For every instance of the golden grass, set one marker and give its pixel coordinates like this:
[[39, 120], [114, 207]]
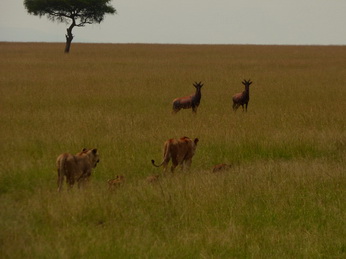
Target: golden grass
[[283, 197]]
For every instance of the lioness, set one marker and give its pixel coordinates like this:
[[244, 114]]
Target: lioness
[[180, 150], [76, 167]]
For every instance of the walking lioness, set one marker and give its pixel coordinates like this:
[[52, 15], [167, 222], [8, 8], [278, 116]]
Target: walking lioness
[[76, 168], [180, 150]]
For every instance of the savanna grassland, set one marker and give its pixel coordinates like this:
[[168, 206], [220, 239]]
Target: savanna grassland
[[284, 196]]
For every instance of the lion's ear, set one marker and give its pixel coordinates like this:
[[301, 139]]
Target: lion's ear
[[196, 141], [95, 150], [84, 149]]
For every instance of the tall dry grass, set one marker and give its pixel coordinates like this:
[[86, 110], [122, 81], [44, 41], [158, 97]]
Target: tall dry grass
[[283, 197]]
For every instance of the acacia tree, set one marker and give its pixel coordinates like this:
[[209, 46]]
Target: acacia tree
[[74, 12]]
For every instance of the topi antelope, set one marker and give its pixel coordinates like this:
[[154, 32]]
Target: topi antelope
[[187, 102], [243, 97]]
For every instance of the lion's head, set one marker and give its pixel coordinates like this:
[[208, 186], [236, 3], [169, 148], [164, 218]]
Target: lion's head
[[92, 154]]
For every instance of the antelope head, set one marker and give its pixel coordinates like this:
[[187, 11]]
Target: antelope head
[[247, 83], [198, 85]]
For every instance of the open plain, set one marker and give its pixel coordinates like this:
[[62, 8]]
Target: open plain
[[283, 196]]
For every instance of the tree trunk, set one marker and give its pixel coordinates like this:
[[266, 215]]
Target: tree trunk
[[69, 37], [68, 43]]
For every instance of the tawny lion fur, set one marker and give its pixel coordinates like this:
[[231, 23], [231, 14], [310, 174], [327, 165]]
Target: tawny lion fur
[[180, 151], [76, 168]]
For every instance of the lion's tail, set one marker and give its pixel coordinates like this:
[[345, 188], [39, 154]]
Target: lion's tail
[[166, 156], [61, 170], [153, 162]]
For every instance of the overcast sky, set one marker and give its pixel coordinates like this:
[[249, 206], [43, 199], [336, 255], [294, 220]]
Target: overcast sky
[[307, 22]]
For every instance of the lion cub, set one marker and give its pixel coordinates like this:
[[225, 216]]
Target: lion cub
[[116, 182], [153, 178], [221, 167]]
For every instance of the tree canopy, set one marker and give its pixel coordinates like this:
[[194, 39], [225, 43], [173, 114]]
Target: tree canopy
[[77, 12]]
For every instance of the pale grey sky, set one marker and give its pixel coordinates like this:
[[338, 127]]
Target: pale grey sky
[[302, 22]]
